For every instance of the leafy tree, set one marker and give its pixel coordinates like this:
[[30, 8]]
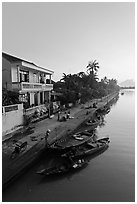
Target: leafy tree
[[84, 86], [92, 69], [9, 97]]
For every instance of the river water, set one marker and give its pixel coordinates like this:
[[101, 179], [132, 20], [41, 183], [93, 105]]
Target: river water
[[109, 177]]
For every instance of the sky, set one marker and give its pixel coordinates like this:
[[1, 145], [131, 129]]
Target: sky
[[65, 36]]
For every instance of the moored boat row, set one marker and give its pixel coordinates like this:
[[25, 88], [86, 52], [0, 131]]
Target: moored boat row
[[74, 149], [75, 157]]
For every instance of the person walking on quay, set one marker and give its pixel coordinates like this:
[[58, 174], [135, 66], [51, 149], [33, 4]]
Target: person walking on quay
[[68, 114], [58, 115], [46, 137]]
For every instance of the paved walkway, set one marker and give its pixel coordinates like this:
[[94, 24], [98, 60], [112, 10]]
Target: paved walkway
[[35, 139]]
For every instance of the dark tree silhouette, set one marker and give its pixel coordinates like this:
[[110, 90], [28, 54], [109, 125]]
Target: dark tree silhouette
[[84, 86]]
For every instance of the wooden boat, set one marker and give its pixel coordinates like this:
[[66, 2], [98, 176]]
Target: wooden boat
[[104, 109], [85, 132], [88, 148], [105, 140], [77, 137], [93, 123], [71, 141], [69, 165]]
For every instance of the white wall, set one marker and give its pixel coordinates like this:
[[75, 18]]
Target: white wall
[[31, 98], [14, 74], [38, 98], [30, 76], [12, 119], [33, 79]]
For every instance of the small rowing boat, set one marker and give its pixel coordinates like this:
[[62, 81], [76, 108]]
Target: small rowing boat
[[69, 165], [93, 123]]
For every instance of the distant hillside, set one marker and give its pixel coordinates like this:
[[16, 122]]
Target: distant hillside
[[127, 83]]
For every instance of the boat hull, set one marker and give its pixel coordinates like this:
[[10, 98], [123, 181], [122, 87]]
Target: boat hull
[[71, 142], [63, 168], [90, 148]]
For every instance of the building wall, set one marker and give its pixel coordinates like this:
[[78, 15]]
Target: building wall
[[6, 74], [31, 98], [38, 98], [11, 75], [14, 74], [31, 77], [15, 77], [8, 123]]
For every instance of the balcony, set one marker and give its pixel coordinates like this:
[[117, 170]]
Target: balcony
[[47, 87], [27, 87]]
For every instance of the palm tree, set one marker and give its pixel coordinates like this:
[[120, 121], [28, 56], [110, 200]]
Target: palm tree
[[92, 67], [64, 77], [67, 80]]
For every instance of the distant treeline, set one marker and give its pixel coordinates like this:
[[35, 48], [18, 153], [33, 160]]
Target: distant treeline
[[84, 86], [130, 87]]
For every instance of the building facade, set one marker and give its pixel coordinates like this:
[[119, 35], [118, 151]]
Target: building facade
[[32, 82]]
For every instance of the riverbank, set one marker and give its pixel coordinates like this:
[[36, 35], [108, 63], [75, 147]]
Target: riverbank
[[13, 168]]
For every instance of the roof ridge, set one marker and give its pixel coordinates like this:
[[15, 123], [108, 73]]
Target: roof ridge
[[20, 59], [15, 57]]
